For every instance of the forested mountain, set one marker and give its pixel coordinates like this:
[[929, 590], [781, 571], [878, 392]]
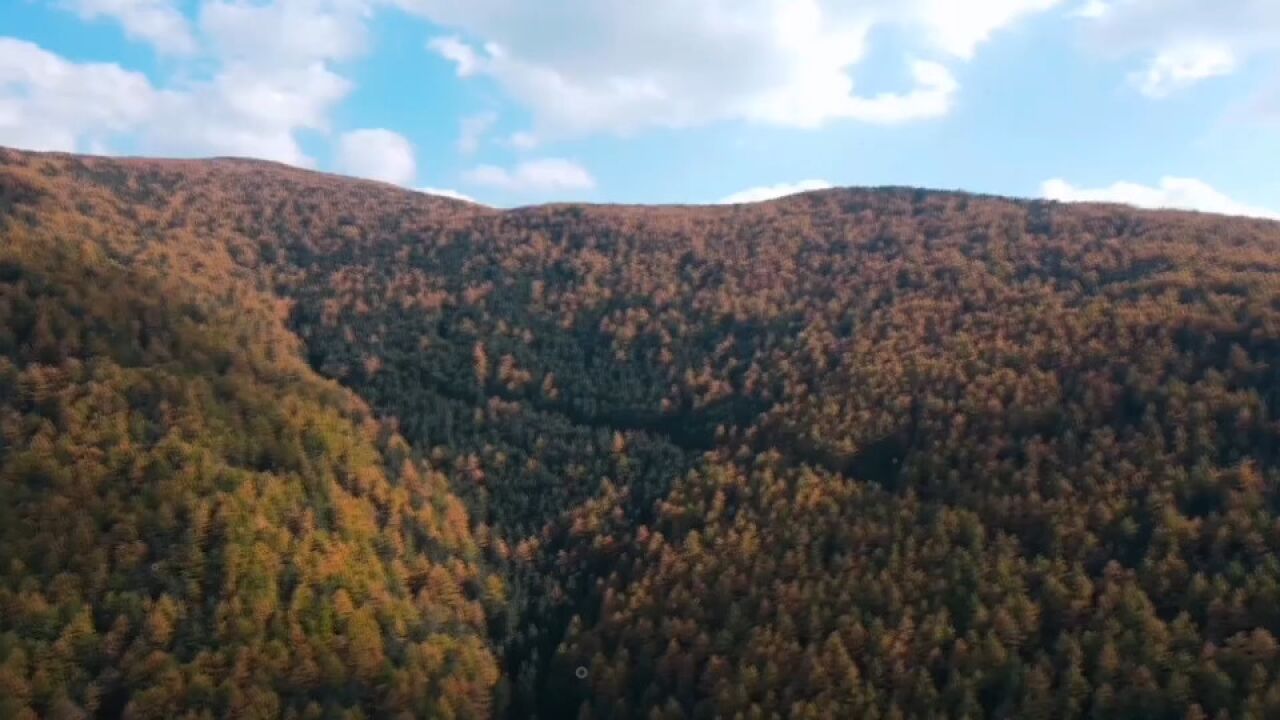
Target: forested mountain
[[274, 443]]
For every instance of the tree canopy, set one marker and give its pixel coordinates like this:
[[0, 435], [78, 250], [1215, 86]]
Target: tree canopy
[[282, 443]]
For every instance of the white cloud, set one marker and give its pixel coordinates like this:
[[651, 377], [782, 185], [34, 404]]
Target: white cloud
[[49, 103], [798, 106], [285, 32], [156, 22], [769, 192], [457, 52], [274, 78], [1172, 192], [1182, 66], [245, 110], [451, 194], [543, 175], [960, 27], [263, 73], [287, 97], [377, 154], [473, 130], [586, 66], [1182, 42]]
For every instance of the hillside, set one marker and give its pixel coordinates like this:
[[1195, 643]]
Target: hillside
[[282, 443]]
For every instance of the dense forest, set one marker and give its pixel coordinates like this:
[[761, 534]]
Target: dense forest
[[281, 444]]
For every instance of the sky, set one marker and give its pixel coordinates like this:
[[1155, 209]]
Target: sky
[[1156, 103]]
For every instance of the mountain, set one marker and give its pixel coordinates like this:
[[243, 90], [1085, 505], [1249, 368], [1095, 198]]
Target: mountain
[[275, 443]]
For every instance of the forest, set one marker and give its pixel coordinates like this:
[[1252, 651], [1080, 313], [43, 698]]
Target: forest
[[275, 443]]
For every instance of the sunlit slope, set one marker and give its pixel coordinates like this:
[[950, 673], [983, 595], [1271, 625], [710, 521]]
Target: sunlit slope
[[192, 523]]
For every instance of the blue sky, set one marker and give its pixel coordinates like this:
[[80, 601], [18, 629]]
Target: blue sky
[[1153, 102]]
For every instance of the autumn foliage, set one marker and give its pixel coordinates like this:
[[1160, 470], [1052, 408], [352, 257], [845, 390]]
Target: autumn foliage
[[279, 443]]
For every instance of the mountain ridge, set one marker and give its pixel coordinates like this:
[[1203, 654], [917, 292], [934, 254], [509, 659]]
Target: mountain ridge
[[284, 168]]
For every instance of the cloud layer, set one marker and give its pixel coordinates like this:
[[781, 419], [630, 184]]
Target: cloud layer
[[377, 154], [48, 103], [157, 22], [451, 194], [264, 73], [544, 175], [584, 66], [1183, 42], [769, 192], [1172, 192]]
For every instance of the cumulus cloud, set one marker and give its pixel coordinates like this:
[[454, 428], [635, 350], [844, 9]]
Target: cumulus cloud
[[285, 32], [49, 103], [268, 69], [931, 97], [244, 110], [769, 192], [458, 52], [157, 22], [1182, 42], [586, 66], [1182, 66], [377, 154], [451, 194], [265, 73], [275, 78], [1172, 192], [533, 176], [960, 27]]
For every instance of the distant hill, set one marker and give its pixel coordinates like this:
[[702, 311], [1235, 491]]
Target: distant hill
[[276, 443]]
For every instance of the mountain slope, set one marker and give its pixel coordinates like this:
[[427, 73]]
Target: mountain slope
[[855, 453], [192, 521]]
